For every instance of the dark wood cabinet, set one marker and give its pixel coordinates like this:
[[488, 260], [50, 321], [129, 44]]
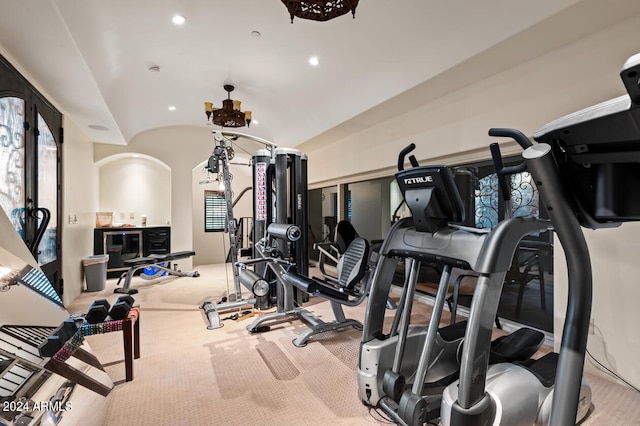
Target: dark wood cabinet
[[156, 240], [122, 244]]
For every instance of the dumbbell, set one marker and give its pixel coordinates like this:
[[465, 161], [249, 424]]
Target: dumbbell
[[121, 308], [58, 338], [98, 311]]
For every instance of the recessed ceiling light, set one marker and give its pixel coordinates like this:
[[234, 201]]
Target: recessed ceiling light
[[172, 108], [256, 122], [255, 34], [178, 19], [314, 61]]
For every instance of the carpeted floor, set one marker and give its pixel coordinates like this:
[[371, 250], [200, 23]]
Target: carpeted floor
[[190, 375]]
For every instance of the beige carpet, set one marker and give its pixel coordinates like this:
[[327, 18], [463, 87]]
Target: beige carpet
[[190, 375]]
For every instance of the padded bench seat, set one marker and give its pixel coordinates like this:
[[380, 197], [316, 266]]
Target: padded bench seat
[[157, 258], [316, 287], [161, 264]]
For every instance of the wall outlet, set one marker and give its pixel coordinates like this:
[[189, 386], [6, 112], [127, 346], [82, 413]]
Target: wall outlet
[[132, 216], [592, 326]]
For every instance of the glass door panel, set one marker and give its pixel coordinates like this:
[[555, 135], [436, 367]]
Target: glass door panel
[[12, 164], [47, 190]]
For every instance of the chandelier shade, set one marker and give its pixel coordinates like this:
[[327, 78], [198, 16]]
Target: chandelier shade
[[230, 114], [320, 10]]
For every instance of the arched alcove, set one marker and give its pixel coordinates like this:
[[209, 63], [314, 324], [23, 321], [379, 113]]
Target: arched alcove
[[132, 185]]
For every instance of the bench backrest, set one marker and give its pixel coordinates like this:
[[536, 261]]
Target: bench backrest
[[353, 263]]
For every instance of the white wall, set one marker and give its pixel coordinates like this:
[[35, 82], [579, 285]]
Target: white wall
[[452, 129], [615, 341], [184, 149], [80, 199], [455, 125], [181, 149], [136, 186]]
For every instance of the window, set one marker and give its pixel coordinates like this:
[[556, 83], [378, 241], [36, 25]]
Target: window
[[215, 211], [524, 199]]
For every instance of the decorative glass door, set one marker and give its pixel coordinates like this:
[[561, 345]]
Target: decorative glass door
[[30, 158], [47, 191], [12, 160]]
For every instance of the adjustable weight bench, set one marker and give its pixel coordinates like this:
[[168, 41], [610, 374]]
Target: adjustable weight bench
[[345, 233], [154, 266], [349, 289]]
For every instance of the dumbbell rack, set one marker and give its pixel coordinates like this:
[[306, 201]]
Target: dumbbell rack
[[130, 326]]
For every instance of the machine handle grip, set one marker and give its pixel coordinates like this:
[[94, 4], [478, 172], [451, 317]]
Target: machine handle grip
[[499, 166], [403, 154], [516, 135], [413, 161]]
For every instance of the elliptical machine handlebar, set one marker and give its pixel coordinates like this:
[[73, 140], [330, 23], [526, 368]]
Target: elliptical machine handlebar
[[516, 135], [403, 154], [539, 160], [414, 163], [503, 171]]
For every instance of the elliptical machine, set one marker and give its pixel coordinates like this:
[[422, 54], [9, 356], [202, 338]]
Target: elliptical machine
[[583, 164], [404, 369], [507, 393]]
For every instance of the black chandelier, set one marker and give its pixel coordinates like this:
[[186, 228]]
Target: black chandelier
[[320, 10], [229, 115]]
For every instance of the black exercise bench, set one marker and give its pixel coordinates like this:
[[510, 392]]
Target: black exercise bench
[[161, 264], [350, 288]]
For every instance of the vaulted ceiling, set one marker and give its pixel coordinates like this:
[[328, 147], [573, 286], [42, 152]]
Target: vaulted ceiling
[[94, 57]]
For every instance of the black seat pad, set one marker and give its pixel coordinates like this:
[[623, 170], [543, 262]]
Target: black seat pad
[[157, 258], [315, 287]]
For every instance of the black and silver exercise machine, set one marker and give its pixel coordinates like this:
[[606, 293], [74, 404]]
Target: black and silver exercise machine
[[280, 196], [280, 193], [404, 369], [349, 289], [219, 164], [582, 165], [504, 393]]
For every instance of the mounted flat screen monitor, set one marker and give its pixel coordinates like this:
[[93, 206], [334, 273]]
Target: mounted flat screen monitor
[[598, 151], [432, 196]]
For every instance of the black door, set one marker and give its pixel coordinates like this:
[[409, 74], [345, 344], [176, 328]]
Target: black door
[[30, 169]]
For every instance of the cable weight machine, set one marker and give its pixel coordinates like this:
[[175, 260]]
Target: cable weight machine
[[280, 196]]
